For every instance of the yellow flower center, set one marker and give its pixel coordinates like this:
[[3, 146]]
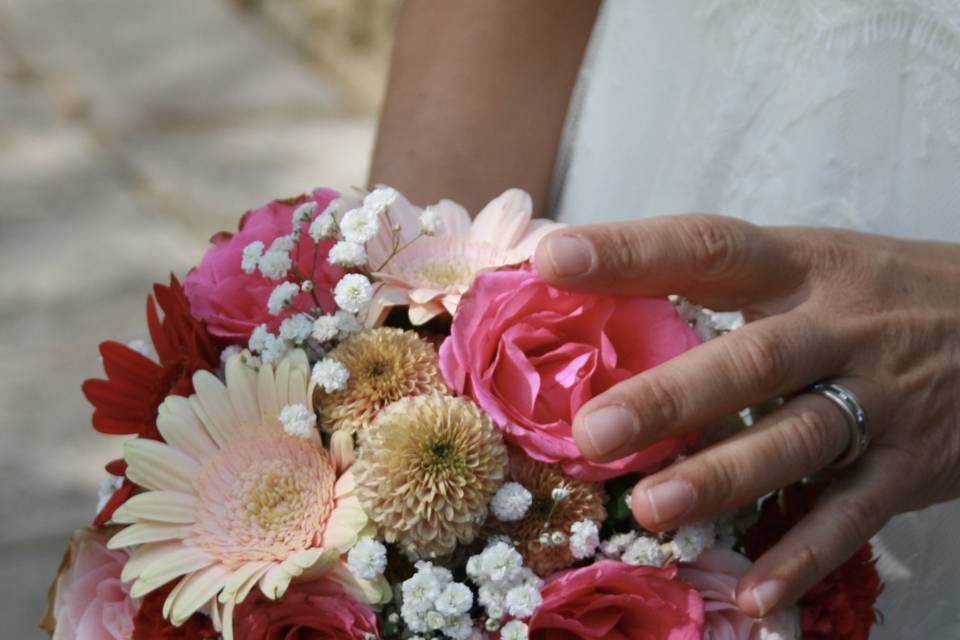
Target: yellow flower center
[[271, 501], [442, 274]]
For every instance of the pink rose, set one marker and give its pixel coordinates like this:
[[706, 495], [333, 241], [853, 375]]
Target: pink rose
[[715, 575], [611, 600], [91, 602], [531, 355], [232, 302], [317, 610]]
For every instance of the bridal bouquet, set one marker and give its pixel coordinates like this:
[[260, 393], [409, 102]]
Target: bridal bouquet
[[352, 421]]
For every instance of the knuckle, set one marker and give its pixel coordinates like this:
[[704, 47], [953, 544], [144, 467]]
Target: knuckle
[[656, 402], [715, 246], [760, 358], [810, 563], [855, 516], [719, 482], [620, 252]]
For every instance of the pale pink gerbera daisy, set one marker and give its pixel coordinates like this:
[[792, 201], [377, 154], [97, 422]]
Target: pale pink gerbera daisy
[[232, 500], [433, 272]]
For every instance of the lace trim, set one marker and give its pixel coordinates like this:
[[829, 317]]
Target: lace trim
[[929, 25]]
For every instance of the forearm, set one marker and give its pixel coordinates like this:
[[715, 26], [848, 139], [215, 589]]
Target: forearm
[[477, 97]]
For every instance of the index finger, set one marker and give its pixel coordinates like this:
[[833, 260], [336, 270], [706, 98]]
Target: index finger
[[715, 260]]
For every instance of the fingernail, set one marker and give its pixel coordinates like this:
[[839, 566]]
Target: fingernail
[[766, 595], [670, 500], [569, 255], [609, 428]]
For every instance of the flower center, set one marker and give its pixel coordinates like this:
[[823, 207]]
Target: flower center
[[442, 274], [270, 501], [262, 496]]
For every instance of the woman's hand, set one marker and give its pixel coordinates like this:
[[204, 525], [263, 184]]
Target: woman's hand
[[877, 315]]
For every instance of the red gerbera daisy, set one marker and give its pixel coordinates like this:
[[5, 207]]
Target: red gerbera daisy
[[126, 402], [842, 604]]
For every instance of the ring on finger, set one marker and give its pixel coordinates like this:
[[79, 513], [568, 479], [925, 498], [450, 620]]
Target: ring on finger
[[856, 418]]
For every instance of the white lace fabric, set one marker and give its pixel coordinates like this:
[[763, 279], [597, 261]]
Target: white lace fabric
[[813, 112]]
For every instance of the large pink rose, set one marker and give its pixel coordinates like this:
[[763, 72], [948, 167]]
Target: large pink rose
[[612, 600], [316, 610], [532, 355], [715, 575], [232, 302], [91, 602]]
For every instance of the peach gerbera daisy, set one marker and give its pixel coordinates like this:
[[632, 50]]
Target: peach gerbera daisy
[[433, 272], [232, 501]]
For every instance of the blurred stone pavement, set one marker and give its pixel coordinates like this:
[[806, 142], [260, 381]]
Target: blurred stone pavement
[[130, 131]]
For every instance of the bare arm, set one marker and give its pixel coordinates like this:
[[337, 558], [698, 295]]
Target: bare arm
[[477, 97]]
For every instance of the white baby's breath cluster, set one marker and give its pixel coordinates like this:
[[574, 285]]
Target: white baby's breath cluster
[[511, 502], [506, 589], [297, 420], [432, 603], [690, 541], [309, 327], [584, 539], [367, 559], [330, 374]]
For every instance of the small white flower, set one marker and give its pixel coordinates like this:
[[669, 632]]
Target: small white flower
[[326, 328], [298, 421], [282, 244], [353, 292], [644, 551], [275, 264], [297, 328], [459, 627], [455, 600], [500, 562], [584, 538], [436, 620], [613, 547], [421, 590], [347, 322], [514, 630], [347, 254], [331, 375], [359, 225], [251, 256], [258, 338], [274, 349], [558, 537], [430, 223], [304, 213], [560, 493], [511, 502], [367, 559], [380, 199], [323, 227], [690, 541], [282, 297], [523, 600]]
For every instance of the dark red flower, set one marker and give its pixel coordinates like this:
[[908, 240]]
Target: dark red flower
[[149, 623], [842, 604], [126, 402]]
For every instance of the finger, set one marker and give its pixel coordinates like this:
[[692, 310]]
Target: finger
[[797, 440], [718, 261], [764, 359], [848, 514]]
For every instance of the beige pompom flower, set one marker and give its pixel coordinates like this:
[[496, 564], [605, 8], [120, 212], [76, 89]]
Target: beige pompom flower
[[385, 364], [426, 469], [559, 502]]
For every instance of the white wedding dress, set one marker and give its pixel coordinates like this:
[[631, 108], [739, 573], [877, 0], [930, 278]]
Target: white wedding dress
[[816, 112]]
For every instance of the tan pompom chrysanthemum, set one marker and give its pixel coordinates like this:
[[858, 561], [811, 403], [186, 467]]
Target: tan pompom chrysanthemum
[[385, 364], [426, 469], [547, 515]]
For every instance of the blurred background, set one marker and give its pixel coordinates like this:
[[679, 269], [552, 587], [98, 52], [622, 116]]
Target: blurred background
[[131, 131]]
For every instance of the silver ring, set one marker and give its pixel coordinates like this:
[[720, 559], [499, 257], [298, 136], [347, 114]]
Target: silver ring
[[856, 417]]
